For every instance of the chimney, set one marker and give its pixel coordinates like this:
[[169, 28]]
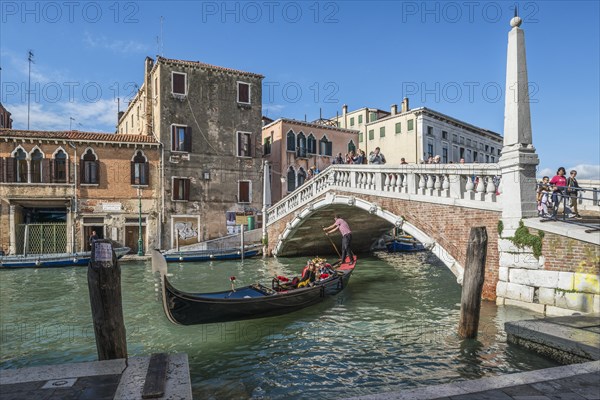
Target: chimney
[[344, 110], [394, 109], [150, 94], [405, 105], [120, 115]]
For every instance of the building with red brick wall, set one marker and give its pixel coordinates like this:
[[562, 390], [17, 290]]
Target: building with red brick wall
[[5, 119], [56, 187]]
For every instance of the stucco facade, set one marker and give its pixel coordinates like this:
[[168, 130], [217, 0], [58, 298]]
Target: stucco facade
[[420, 133], [56, 187], [208, 119], [293, 147]]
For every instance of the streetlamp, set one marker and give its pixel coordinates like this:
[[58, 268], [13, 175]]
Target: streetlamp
[[140, 241]]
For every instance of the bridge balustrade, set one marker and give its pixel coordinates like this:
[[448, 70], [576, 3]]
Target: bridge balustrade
[[467, 185]]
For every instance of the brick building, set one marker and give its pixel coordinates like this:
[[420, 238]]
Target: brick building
[[293, 147], [56, 187], [5, 119], [208, 119]]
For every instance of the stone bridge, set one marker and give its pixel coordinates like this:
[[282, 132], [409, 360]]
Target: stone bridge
[[436, 204]]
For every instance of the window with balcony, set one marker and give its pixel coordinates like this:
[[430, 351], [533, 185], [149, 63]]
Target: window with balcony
[[301, 145], [291, 141], [325, 147]]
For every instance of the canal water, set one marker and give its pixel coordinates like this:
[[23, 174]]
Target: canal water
[[393, 327]]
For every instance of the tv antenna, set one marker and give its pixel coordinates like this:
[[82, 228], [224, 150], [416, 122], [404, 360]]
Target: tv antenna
[[30, 60]]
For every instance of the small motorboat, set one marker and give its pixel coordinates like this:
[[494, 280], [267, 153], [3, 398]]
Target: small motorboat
[[173, 256], [53, 260], [404, 244], [248, 302]]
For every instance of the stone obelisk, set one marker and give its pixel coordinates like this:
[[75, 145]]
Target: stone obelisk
[[519, 160]]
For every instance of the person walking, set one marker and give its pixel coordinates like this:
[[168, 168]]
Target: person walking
[[559, 191], [346, 233]]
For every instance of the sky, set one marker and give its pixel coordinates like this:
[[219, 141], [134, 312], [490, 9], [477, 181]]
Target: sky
[[449, 56]]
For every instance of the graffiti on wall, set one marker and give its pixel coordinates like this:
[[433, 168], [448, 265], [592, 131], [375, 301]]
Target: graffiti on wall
[[186, 230]]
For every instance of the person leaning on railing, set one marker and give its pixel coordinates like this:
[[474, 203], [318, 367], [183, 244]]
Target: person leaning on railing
[[559, 186]]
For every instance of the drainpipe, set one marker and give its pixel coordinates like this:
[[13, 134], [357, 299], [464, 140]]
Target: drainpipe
[[75, 205], [162, 195]]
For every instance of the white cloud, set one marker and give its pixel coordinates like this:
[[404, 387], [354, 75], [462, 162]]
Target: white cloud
[[98, 116], [584, 171], [273, 110], [120, 46]]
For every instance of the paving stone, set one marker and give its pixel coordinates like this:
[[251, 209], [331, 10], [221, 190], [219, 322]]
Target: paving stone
[[538, 397], [521, 390], [487, 395], [566, 396]]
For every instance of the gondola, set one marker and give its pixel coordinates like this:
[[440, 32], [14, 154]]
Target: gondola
[[253, 301], [402, 245], [53, 260], [174, 256]]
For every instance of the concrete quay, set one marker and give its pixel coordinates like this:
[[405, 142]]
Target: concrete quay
[[122, 379]]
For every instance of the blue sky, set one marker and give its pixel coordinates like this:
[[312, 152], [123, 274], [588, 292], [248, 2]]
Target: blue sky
[[448, 56]]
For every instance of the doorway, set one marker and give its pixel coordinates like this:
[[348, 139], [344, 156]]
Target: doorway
[[132, 238], [87, 231]]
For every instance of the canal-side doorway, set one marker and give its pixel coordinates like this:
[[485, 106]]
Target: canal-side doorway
[[132, 235], [87, 231]]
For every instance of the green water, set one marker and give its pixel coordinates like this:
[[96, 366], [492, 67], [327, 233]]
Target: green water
[[393, 327]]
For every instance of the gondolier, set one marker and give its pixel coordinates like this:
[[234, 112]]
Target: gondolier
[[346, 233]]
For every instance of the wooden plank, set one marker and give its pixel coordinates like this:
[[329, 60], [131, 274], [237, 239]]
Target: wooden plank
[[156, 377], [470, 301]]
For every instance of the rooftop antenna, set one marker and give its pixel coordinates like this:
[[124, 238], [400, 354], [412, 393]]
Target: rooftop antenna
[[30, 60], [161, 35], [304, 117], [71, 119]]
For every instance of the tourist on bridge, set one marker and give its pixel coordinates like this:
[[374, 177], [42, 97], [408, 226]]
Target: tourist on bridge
[[346, 233], [559, 186], [543, 195], [573, 192], [376, 157]]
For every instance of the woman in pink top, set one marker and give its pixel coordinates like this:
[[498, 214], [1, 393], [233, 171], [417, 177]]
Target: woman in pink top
[[559, 184], [346, 233]]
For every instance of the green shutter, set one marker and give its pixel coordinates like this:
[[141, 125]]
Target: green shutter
[[410, 124], [382, 131], [398, 127], [360, 119], [371, 134], [352, 121], [360, 137]]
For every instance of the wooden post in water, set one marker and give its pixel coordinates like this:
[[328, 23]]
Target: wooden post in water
[[242, 242], [104, 282], [470, 300]]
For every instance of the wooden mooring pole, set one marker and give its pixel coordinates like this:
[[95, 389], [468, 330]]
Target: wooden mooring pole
[[470, 300], [104, 282]]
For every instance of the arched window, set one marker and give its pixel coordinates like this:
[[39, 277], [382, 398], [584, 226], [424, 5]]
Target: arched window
[[301, 176], [291, 141], [301, 141], [351, 147], [59, 169], [20, 163], [291, 179], [36, 166], [90, 168], [139, 169], [325, 147], [311, 144]]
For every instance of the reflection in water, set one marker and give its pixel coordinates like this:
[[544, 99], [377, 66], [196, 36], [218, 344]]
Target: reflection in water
[[393, 327]]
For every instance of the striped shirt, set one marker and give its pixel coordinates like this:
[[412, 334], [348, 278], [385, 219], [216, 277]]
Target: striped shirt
[[343, 226]]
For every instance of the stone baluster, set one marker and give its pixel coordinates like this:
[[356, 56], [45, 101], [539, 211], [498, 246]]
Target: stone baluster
[[405, 178], [363, 181], [490, 190], [386, 182], [480, 188], [446, 185], [437, 185], [393, 179], [422, 183], [430, 184]]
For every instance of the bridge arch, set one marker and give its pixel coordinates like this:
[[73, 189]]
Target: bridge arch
[[367, 219]]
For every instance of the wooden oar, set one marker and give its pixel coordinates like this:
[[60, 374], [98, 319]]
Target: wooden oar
[[334, 246]]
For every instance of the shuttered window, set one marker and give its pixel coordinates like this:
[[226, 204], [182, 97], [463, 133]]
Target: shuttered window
[[243, 93], [59, 167], [291, 141], [90, 169], [244, 144], [179, 83], [140, 169], [181, 138], [181, 189], [311, 144], [244, 192], [36, 166]]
